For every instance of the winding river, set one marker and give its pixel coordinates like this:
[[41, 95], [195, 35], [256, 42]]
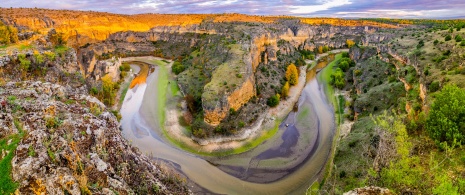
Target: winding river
[[287, 163]]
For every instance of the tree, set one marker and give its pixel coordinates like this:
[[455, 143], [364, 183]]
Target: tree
[[337, 78], [320, 49], [273, 101], [285, 90], [446, 120], [177, 67], [458, 38], [292, 75], [108, 88], [344, 65], [350, 43]]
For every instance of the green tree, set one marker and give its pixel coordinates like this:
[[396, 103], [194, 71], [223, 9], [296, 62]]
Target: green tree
[[446, 120], [344, 65], [292, 75], [273, 101], [337, 79], [177, 67]]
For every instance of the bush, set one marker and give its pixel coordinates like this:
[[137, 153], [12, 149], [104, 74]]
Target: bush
[[344, 66], [177, 68], [125, 67], [273, 101], [435, 42], [337, 79], [445, 122], [462, 43], [420, 44], [448, 38], [8, 34], [458, 38], [434, 86], [350, 43]]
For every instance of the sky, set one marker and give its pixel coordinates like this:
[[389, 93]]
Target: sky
[[441, 9]]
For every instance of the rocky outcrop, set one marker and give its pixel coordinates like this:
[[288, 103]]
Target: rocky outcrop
[[72, 145], [371, 190]]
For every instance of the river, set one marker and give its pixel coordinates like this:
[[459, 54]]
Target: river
[[287, 163]]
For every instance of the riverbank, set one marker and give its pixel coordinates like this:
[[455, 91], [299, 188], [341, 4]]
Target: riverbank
[[342, 125], [265, 127]]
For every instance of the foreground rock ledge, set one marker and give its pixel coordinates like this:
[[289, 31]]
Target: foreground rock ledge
[[71, 145]]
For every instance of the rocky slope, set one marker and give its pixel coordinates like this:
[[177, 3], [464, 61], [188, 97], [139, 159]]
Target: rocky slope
[[71, 145]]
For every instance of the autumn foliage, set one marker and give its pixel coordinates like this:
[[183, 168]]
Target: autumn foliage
[[292, 75], [350, 43], [285, 90]]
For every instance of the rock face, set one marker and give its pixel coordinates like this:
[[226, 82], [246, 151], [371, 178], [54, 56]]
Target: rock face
[[255, 46], [72, 145]]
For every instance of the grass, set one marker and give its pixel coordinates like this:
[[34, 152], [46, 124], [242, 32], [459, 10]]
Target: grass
[[174, 87], [162, 89], [324, 77], [25, 47], [8, 186], [123, 93]]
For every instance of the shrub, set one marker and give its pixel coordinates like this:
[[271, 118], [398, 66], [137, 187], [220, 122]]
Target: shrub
[[448, 38], [50, 55], [458, 38], [434, 86], [178, 68], [445, 120], [420, 44], [125, 67], [24, 62], [350, 43], [273, 101], [8, 34], [337, 79], [435, 42], [344, 66], [52, 122], [462, 43]]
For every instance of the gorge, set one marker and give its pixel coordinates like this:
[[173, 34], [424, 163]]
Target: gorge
[[101, 103]]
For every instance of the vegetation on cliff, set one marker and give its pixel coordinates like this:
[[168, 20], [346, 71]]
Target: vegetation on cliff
[[8, 34], [397, 139]]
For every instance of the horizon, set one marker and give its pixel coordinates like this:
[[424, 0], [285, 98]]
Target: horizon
[[345, 9]]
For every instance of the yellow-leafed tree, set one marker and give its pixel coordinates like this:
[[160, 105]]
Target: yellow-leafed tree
[[285, 90], [350, 43], [292, 75], [320, 49]]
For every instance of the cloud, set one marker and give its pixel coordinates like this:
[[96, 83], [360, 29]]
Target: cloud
[[319, 8], [325, 5]]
